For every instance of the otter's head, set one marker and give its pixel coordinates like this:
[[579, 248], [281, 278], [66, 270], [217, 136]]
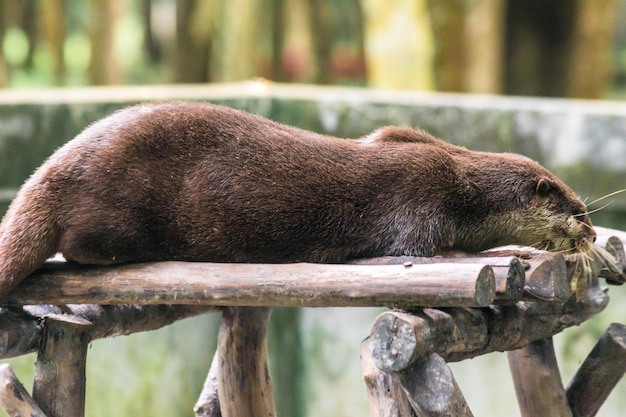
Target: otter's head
[[535, 208]]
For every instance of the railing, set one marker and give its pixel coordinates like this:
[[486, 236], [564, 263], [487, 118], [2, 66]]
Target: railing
[[445, 310]]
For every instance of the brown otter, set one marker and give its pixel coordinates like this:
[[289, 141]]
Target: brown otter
[[201, 182]]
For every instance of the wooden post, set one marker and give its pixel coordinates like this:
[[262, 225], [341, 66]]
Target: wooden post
[[432, 390], [59, 384], [537, 380], [14, 399], [208, 404], [598, 375], [244, 388]]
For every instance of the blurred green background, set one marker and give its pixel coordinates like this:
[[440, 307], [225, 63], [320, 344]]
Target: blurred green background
[[568, 49]]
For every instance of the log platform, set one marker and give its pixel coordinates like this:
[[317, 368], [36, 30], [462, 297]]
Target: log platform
[[441, 310]]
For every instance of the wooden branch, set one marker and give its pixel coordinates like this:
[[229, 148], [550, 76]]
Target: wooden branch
[[14, 399], [508, 271], [399, 338], [21, 331], [288, 285], [431, 389], [599, 374], [537, 380], [59, 384], [386, 397], [208, 404], [244, 388]]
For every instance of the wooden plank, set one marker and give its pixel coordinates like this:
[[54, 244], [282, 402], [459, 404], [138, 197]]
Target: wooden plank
[[288, 285], [603, 368], [508, 270]]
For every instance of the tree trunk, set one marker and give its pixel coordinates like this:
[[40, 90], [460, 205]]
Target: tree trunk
[[537, 46], [52, 21], [195, 27], [322, 29], [590, 70], [104, 68], [399, 45]]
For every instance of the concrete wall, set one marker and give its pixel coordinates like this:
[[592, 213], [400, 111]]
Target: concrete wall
[[584, 142], [316, 351]]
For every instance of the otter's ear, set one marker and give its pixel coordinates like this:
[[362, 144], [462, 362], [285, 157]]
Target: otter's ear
[[543, 187]]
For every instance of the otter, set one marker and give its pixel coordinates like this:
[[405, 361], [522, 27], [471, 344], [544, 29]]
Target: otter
[[202, 182]]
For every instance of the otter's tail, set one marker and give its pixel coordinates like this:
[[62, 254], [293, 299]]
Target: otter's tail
[[29, 235]]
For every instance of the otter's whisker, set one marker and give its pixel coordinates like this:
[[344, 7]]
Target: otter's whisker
[[595, 210], [607, 196]]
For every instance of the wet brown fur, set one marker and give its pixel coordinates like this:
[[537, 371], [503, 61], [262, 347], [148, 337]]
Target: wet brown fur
[[200, 182]]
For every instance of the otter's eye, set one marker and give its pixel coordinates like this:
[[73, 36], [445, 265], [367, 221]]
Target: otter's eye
[[543, 188]]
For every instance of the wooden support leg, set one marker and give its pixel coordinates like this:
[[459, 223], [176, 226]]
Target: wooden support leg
[[245, 388], [537, 380], [59, 385], [432, 390], [208, 404], [599, 374], [14, 399]]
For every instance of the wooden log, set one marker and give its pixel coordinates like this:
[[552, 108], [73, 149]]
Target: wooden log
[[399, 338], [613, 241], [208, 404], [386, 397], [59, 383], [14, 398], [244, 385], [599, 374], [546, 278], [537, 380], [288, 285], [508, 271], [604, 233], [584, 268], [432, 390], [613, 262], [21, 331]]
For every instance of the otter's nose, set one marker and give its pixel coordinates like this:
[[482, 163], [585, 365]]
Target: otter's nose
[[591, 234]]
